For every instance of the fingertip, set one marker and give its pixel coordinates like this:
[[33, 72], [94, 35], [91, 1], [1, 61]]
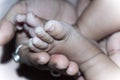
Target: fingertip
[[43, 58], [72, 69], [40, 58], [59, 62]]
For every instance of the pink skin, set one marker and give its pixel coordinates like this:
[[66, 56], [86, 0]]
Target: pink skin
[[63, 61], [31, 58], [61, 65], [113, 47], [53, 34], [55, 31], [80, 78], [28, 6], [8, 22], [90, 58], [7, 27], [60, 61], [82, 5], [54, 59], [71, 70], [6, 35]]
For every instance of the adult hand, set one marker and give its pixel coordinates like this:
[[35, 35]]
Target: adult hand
[[7, 29]]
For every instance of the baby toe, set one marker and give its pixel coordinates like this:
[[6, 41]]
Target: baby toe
[[33, 21], [43, 35], [55, 29], [39, 43], [32, 47]]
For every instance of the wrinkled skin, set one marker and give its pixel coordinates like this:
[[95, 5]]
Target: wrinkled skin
[[68, 35], [64, 63], [13, 29], [8, 22], [46, 13]]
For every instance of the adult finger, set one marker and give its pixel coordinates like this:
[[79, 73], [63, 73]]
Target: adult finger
[[7, 31], [72, 69], [63, 65], [58, 61], [31, 58]]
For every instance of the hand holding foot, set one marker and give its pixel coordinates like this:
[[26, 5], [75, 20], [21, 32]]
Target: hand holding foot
[[63, 35], [55, 60]]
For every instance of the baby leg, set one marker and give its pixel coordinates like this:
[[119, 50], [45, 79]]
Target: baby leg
[[100, 19]]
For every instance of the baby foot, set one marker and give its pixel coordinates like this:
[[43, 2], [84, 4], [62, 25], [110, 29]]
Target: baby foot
[[54, 38], [60, 38], [32, 21]]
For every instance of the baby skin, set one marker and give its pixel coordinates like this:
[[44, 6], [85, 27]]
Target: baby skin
[[60, 38], [91, 28], [39, 8], [57, 60]]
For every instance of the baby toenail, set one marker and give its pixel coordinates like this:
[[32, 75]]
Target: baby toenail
[[50, 28]]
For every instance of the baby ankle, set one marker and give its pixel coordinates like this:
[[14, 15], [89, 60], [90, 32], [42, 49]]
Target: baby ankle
[[90, 62]]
